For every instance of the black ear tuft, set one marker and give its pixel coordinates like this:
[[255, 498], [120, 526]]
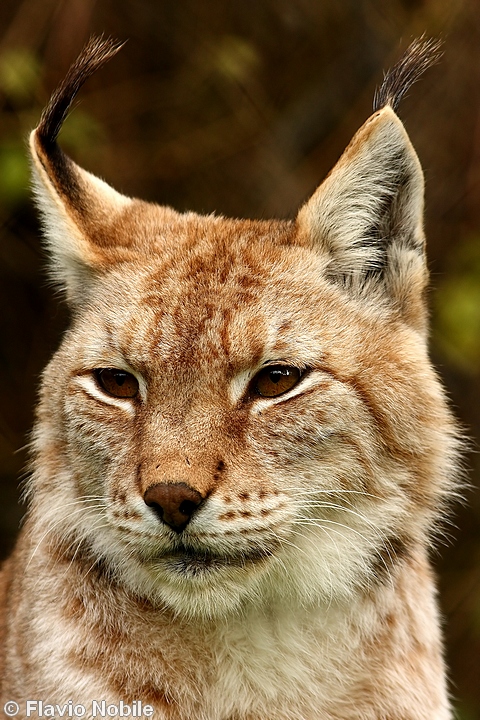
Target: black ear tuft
[[94, 55], [418, 57], [76, 207]]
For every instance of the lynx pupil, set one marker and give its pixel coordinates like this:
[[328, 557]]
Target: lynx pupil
[[276, 380], [117, 382]]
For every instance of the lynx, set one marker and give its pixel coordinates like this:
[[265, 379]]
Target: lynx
[[241, 451]]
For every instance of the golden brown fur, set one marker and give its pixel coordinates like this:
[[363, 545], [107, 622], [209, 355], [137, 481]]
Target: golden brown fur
[[203, 545]]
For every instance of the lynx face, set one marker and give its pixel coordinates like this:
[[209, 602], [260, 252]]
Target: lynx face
[[283, 414], [242, 410]]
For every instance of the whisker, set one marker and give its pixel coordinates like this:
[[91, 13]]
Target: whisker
[[319, 523], [78, 539], [342, 508], [58, 522], [334, 491], [355, 512], [81, 538]]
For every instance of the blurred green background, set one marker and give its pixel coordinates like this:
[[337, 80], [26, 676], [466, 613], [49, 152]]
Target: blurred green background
[[242, 108]]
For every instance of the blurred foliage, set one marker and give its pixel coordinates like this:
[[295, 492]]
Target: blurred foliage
[[82, 134], [236, 59], [20, 84], [19, 77], [14, 173], [464, 713], [457, 308], [19, 74], [242, 108]]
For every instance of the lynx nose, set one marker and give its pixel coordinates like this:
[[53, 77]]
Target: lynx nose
[[174, 503]]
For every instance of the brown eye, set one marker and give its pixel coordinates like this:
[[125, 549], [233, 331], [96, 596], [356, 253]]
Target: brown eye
[[118, 383], [275, 380]]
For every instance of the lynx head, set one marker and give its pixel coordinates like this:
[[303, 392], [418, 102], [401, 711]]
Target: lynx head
[[241, 411]]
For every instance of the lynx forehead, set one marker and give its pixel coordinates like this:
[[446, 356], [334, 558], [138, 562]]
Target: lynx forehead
[[241, 448]]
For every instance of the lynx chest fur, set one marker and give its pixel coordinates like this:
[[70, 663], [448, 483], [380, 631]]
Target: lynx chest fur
[[241, 450]]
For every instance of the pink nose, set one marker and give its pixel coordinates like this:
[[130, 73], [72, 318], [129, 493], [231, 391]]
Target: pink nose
[[174, 503]]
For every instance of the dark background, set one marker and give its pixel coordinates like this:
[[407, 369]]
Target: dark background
[[241, 107]]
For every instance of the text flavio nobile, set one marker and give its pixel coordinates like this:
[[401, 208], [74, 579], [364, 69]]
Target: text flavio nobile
[[97, 708]]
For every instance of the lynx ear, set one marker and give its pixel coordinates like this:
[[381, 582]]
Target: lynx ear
[[367, 215], [78, 209]]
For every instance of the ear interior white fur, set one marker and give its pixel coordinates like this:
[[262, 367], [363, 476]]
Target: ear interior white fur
[[369, 209], [71, 220]]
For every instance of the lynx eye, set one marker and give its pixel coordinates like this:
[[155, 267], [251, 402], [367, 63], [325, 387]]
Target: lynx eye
[[276, 380], [118, 383]]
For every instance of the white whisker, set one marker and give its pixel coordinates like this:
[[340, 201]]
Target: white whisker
[[52, 526]]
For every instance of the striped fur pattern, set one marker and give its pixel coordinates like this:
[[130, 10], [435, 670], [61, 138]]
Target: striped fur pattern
[[241, 450]]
